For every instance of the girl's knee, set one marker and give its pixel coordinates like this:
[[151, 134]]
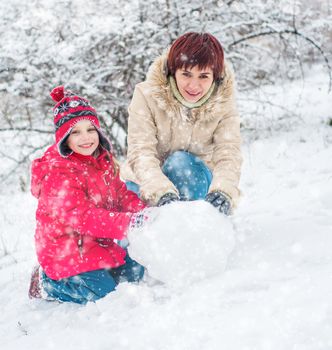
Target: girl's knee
[[82, 288]]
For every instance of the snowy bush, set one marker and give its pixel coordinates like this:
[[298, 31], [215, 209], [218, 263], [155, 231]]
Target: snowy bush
[[102, 49]]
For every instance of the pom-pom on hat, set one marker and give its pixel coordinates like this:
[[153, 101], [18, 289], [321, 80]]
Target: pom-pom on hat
[[69, 110]]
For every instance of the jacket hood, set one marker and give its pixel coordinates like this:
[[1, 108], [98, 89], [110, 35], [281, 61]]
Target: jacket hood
[[41, 167], [157, 79]]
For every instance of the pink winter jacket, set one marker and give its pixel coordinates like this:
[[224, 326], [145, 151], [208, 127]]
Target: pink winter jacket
[[82, 208]]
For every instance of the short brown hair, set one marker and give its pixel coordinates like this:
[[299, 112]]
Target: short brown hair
[[201, 49]]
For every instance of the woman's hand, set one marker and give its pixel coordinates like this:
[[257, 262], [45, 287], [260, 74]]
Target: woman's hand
[[167, 198], [220, 201]]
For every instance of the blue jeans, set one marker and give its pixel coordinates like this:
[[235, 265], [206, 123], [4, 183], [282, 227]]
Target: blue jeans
[[92, 285], [189, 174]]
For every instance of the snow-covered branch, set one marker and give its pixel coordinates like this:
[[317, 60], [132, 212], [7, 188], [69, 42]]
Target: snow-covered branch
[[104, 57]]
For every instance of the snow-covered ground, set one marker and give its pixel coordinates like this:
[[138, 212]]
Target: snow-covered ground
[[274, 293]]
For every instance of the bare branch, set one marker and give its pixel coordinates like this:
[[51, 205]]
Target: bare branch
[[293, 32], [40, 131], [20, 162]]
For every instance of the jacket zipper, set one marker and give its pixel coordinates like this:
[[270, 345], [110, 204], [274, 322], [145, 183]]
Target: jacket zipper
[[104, 177], [80, 245]]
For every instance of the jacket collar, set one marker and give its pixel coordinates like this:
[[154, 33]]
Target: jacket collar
[[90, 160]]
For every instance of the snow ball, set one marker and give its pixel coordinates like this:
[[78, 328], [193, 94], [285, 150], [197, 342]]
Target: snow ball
[[185, 243]]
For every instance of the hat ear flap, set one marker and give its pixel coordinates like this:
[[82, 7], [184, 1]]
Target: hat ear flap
[[104, 141], [63, 147]]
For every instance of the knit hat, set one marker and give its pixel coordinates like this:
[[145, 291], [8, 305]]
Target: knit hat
[[69, 110]]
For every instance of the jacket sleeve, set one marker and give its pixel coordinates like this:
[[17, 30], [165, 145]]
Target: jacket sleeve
[[65, 200], [142, 150], [127, 200], [227, 156]]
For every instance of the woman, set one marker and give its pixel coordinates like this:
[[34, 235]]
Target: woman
[[184, 128]]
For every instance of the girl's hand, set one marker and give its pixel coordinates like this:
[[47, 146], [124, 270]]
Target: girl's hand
[[142, 217]]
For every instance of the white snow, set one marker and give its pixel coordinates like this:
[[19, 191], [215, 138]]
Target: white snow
[[273, 291], [185, 244]]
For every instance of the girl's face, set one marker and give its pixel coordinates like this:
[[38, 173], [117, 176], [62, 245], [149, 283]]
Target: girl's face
[[84, 138], [193, 83]]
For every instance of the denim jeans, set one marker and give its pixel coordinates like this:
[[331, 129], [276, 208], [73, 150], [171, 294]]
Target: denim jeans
[[188, 173], [92, 285]]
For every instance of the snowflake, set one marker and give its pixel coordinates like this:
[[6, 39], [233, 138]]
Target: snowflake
[[63, 107]]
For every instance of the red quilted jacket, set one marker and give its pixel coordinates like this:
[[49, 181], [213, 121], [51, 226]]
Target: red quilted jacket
[[82, 208]]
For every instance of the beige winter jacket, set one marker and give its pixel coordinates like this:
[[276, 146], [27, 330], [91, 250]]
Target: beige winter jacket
[[159, 125]]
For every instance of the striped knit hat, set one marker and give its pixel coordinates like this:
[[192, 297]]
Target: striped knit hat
[[69, 110]]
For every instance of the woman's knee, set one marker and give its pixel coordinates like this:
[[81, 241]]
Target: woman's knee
[[189, 174], [178, 160], [179, 156]]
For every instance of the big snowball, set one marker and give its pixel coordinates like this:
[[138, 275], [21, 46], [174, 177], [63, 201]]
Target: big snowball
[[185, 243]]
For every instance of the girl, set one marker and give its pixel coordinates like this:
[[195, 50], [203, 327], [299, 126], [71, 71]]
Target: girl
[[83, 207], [184, 128]]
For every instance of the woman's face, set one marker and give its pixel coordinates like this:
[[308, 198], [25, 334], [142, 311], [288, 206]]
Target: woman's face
[[84, 138], [193, 83]]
